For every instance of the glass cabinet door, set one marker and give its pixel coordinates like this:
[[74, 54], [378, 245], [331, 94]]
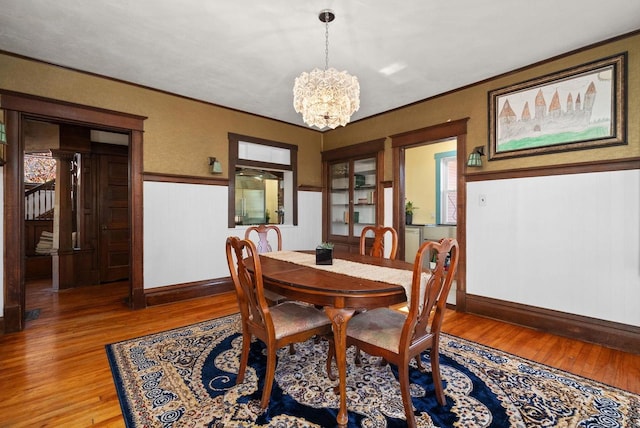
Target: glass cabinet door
[[364, 194], [352, 192], [339, 206], [352, 197]]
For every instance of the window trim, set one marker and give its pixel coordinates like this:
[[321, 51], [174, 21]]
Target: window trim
[[235, 161], [438, 159]]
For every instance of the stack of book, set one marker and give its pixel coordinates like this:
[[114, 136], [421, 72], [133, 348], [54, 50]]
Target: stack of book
[[45, 244]]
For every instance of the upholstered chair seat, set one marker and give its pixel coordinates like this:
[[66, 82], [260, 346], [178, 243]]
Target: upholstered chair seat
[[290, 318], [381, 327]]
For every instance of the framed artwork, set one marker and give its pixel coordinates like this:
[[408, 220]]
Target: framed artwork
[[579, 108]]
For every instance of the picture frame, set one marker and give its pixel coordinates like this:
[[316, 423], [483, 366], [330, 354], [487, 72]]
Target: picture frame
[[578, 108]]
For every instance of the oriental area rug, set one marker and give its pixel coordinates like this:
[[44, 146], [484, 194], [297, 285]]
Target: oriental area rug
[[187, 378]]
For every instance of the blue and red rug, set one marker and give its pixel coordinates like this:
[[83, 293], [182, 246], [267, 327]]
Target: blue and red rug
[[186, 378]]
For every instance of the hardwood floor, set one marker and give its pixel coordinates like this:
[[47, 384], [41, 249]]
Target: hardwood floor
[[55, 372], [606, 365]]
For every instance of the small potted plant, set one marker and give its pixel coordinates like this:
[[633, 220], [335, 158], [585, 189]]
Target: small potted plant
[[408, 212], [324, 254]]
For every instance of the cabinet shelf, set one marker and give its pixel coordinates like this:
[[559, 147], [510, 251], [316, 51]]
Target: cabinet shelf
[[361, 187], [356, 205], [359, 222], [363, 173]]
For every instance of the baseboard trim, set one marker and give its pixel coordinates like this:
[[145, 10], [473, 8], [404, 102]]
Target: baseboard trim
[[186, 291], [614, 335]]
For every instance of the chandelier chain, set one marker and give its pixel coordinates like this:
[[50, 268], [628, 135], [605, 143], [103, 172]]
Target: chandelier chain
[[326, 40]]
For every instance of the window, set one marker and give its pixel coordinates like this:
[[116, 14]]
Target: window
[[446, 188], [39, 167], [264, 186], [259, 196], [39, 184]]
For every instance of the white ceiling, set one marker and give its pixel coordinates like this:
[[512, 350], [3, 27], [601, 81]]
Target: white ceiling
[[246, 54]]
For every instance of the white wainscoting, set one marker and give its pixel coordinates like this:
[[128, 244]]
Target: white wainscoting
[[185, 228], [569, 243]]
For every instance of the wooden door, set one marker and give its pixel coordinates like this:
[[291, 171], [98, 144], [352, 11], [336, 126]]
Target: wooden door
[[113, 200]]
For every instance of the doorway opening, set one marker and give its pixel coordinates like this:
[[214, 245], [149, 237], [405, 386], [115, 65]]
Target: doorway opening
[[431, 183], [442, 212], [18, 110], [94, 165]]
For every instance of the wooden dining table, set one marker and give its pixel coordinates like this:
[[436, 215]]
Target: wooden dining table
[[340, 295]]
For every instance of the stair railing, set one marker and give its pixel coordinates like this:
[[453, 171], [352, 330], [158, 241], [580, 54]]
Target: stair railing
[[39, 201]]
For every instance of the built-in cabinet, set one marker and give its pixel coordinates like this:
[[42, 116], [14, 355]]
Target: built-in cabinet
[[352, 190]]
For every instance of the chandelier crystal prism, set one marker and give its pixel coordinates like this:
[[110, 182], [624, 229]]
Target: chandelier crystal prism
[[326, 98]]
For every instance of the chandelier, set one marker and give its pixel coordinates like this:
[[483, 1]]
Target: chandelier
[[326, 98]]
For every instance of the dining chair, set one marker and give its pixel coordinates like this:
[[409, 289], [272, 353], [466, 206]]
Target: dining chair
[[377, 248], [398, 337], [276, 326], [263, 246], [263, 230]]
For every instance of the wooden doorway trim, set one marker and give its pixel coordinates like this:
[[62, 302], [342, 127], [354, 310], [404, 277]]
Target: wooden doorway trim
[[18, 107], [399, 143]]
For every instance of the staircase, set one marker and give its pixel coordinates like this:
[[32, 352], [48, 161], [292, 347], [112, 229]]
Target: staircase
[[38, 207], [39, 201]]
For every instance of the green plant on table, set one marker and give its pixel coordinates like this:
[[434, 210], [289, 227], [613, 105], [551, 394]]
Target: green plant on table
[[325, 245], [409, 208]]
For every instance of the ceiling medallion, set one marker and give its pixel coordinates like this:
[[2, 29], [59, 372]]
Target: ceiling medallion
[[326, 98]]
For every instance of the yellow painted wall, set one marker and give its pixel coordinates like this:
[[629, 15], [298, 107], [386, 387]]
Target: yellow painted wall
[[472, 102], [180, 134]]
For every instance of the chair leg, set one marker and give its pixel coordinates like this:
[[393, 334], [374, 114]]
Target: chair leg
[[435, 372], [292, 350], [403, 375], [421, 366], [244, 357], [330, 357], [268, 378]]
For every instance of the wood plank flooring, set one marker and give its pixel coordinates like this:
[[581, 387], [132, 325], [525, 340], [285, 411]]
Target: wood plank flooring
[[55, 373]]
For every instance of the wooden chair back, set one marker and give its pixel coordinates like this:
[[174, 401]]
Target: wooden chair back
[[262, 244], [426, 312], [254, 309], [276, 326], [377, 248]]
